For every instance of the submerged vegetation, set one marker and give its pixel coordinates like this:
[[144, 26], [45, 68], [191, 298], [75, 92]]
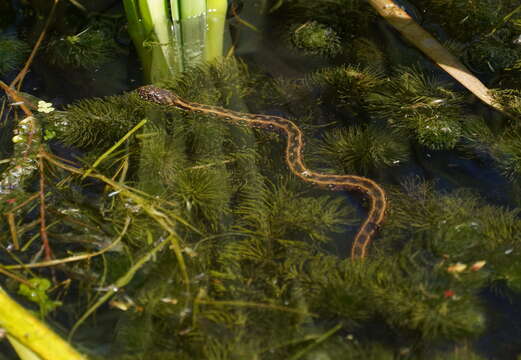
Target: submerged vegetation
[[87, 49], [12, 53], [168, 234], [315, 38], [172, 35]]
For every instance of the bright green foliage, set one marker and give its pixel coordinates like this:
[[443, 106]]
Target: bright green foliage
[[253, 263], [348, 85], [90, 48], [457, 228], [12, 53], [493, 55], [361, 150], [171, 36], [412, 102], [467, 19], [95, 122], [203, 193], [367, 53], [36, 291], [330, 12], [487, 28], [280, 211], [503, 146], [316, 39]]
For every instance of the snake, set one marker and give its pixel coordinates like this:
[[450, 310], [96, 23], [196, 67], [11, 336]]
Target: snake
[[293, 157]]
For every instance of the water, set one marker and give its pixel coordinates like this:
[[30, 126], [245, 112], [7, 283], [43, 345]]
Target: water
[[264, 253]]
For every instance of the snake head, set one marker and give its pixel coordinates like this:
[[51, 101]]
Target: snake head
[[157, 95]]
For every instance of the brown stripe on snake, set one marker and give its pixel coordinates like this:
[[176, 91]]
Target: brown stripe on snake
[[293, 157]]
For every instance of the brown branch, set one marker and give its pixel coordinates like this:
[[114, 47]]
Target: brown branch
[[16, 97], [43, 229], [13, 94], [16, 278], [73, 258], [11, 220], [12, 229], [17, 82], [424, 41], [27, 201]]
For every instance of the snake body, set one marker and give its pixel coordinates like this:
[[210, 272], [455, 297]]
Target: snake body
[[293, 156]]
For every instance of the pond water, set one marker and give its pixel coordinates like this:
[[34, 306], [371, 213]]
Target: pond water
[[205, 244]]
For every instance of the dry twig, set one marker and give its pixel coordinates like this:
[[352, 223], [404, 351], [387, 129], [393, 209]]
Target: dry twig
[[424, 41], [17, 82]]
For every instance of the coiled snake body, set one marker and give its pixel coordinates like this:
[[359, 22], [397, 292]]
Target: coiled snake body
[[294, 158]]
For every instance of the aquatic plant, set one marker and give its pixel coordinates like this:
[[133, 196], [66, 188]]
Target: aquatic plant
[[486, 28], [347, 86], [492, 55], [368, 54], [360, 150], [413, 102], [510, 99], [466, 19], [88, 49], [203, 194], [283, 211], [457, 228], [329, 12], [92, 122], [315, 38], [12, 53], [503, 145], [187, 237], [263, 268], [170, 36]]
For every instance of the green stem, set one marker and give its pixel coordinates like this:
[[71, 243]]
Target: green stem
[[192, 8], [114, 147], [216, 18], [169, 40], [33, 334], [121, 282], [193, 30], [174, 9], [317, 342], [157, 24], [504, 20], [150, 28], [137, 32]]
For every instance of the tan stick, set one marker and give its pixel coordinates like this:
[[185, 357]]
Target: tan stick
[[21, 75], [79, 257], [424, 41], [43, 223], [16, 97]]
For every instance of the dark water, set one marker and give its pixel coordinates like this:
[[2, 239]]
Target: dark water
[[267, 54]]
